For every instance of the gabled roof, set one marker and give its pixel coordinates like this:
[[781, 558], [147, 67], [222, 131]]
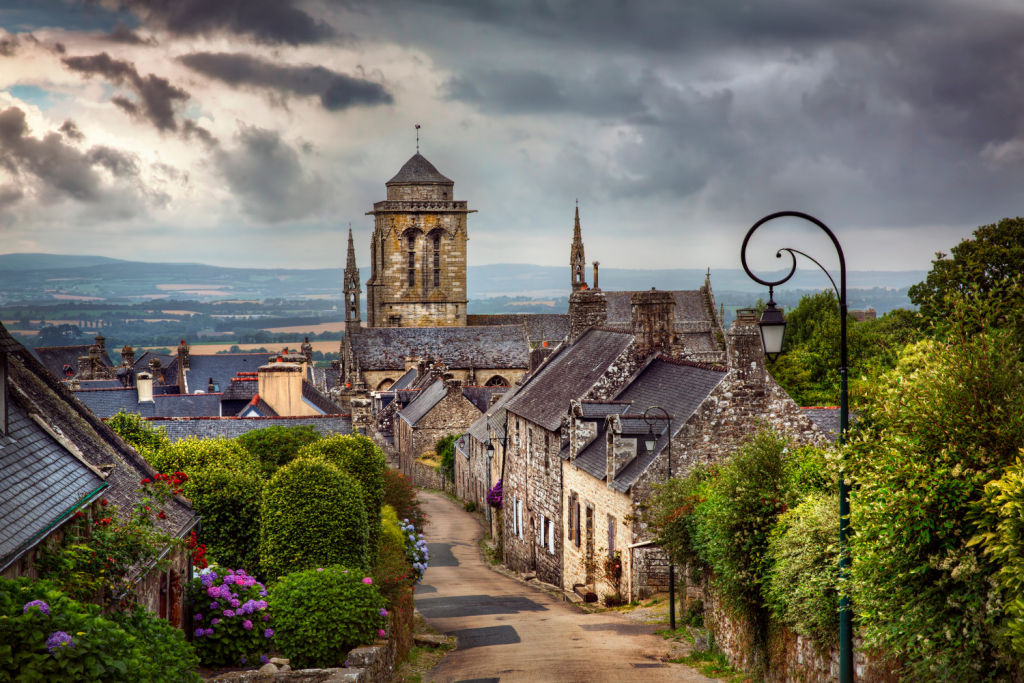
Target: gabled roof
[[41, 483], [326, 377], [481, 396], [8, 343], [405, 381], [319, 401], [142, 362], [241, 388], [424, 403], [98, 444], [386, 348], [221, 367], [689, 306], [419, 171], [677, 387], [54, 358], [568, 374], [257, 408], [496, 416], [539, 326]]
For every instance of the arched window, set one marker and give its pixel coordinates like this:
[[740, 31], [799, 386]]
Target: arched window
[[497, 381], [385, 384], [437, 260]]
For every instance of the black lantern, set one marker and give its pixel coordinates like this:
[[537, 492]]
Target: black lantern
[[650, 440], [773, 330], [490, 449]]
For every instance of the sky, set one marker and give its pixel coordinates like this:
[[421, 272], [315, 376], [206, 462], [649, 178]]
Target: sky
[[253, 132]]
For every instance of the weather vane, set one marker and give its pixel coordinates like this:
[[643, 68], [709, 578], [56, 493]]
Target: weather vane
[[417, 138]]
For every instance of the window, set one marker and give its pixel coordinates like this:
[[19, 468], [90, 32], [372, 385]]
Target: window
[[577, 520], [551, 537], [570, 527], [412, 242], [437, 278], [519, 518], [412, 277], [412, 259], [611, 536]]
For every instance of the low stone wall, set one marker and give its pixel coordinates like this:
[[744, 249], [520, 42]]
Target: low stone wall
[[650, 572], [793, 658], [426, 477]]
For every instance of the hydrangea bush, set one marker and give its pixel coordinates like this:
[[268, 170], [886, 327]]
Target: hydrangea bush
[[320, 614], [494, 496], [416, 550], [231, 620]]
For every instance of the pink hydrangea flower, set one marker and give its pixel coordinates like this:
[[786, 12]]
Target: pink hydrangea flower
[[381, 633], [368, 580]]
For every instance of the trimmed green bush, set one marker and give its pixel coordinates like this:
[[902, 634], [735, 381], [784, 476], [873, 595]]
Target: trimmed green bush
[[277, 446], [230, 504], [142, 436], [359, 457], [391, 527], [804, 551], [47, 636], [192, 456], [322, 613], [313, 516]]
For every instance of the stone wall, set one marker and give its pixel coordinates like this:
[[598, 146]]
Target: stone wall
[[649, 573], [428, 477], [586, 308]]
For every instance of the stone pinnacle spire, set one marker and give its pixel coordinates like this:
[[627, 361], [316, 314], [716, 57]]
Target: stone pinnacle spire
[[352, 289], [577, 261], [351, 265]]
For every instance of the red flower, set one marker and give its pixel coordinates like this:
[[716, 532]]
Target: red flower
[[162, 515], [147, 508], [78, 514], [145, 481], [103, 502]]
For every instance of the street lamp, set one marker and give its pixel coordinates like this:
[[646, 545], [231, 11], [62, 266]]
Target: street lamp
[[650, 441], [773, 328]]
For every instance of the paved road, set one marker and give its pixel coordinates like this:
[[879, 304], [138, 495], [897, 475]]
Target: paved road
[[509, 632]]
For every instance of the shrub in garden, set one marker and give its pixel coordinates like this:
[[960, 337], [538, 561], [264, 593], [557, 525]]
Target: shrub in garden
[[229, 503], [192, 456], [231, 620], [932, 435], [277, 446], [312, 516], [140, 434], [416, 551], [322, 613], [392, 573], [391, 527], [400, 494], [804, 552], [47, 636], [359, 457]]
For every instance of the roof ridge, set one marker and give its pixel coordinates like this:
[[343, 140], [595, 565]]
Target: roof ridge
[[235, 417], [692, 363]]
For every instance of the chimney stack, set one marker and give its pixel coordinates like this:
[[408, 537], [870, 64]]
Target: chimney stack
[[144, 384], [453, 386], [652, 321], [128, 356], [307, 351], [211, 387], [743, 346], [596, 264], [101, 342]]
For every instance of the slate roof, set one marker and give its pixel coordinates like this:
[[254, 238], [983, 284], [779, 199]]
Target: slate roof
[[220, 367], [101, 384], [496, 416], [41, 483], [481, 396], [689, 306], [54, 358], [699, 342], [142, 362], [258, 406], [404, 381], [231, 427], [599, 409], [386, 348], [187, 405], [8, 343], [108, 402], [827, 419], [419, 171], [424, 403], [567, 374], [678, 387], [319, 401], [241, 389], [326, 377], [539, 326], [98, 444]]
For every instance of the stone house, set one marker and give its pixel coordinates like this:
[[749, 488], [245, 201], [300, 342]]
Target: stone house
[[442, 409], [58, 459], [609, 475], [84, 361]]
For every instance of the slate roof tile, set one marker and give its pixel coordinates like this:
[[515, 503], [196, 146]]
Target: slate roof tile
[[321, 402], [418, 170], [689, 306], [54, 358], [424, 403], [386, 348]]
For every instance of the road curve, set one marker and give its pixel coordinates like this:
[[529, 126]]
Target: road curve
[[509, 632]]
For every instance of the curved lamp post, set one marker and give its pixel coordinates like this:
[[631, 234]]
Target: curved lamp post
[[650, 441], [773, 326]]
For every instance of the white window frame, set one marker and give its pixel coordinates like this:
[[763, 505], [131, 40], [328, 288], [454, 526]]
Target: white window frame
[[519, 518], [551, 537]]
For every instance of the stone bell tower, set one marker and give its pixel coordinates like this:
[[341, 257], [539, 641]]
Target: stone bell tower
[[418, 251]]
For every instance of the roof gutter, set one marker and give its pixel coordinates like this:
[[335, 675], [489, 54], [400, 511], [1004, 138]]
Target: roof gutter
[[28, 545]]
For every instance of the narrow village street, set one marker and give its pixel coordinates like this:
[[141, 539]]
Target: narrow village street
[[511, 632]]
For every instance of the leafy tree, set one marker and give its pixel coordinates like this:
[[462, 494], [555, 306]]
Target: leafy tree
[[277, 446], [141, 435], [58, 335], [445, 448], [988, 262]]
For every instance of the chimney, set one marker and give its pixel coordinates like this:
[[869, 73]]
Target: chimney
[[596, 264], [652, 321], [101, 342], [280, 385], [743, 345], [183, 350], [144, 384], [421, 368], [621, 451], [128, 356], [586, 308], [307, 351], [210, 387], [453, 386]]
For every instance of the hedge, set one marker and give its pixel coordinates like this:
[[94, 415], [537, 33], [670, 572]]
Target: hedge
[[230, 504], [275, 447]]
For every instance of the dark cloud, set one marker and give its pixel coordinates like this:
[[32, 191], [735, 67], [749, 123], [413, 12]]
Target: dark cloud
[[70, 130], [265, 21], [9, 46], [123, 34], [336, 91], [267, 176], [158, 97], [57, 169]]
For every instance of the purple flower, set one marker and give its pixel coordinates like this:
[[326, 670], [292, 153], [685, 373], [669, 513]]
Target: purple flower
[[199, 632], [213, 592], [243, 660], [266, 617], [229, 613], [59, 640], [241, 572], [368, 581], [215, 622], [209, 631], [225, 592], [198, 617], [42, 606], [263, 594], [247, 625], [234, 603], [383, 612], [261, 604], [381, 633], [263, 659], [269, 632], [214, 605]]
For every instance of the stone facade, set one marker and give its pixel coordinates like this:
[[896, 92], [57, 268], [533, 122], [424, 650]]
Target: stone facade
[[451, 415], [418, 252]]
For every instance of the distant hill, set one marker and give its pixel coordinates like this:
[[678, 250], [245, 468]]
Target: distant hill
[[51, 261]]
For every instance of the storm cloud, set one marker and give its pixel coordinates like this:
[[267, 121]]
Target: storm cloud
[[267, 176], [335, 91], [126, 36], [264, 21], [55, 169]]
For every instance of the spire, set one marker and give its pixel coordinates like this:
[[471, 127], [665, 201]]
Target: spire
[[577, 261], [352, 288]]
